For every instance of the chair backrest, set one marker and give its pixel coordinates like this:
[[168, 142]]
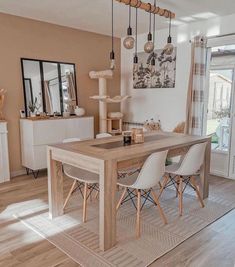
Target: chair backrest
[[68, 140], [193, 160], [103, 135], [152, 171]]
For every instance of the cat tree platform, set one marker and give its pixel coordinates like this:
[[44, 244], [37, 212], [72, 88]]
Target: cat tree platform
[[105, 123]]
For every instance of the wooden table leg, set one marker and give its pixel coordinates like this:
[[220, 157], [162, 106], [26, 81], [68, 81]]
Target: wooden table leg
[[107, 220], [205, 171], [55, 186]]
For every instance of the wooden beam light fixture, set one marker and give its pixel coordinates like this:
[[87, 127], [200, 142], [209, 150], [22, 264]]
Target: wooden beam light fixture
[[149, 8]]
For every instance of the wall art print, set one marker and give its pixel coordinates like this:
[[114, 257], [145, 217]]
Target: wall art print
[[162, 76]]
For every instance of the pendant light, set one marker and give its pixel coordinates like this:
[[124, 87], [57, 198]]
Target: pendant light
[[168, 49], [129, 41], [112, 54], [136, 66], [149, 46], [153, 62]]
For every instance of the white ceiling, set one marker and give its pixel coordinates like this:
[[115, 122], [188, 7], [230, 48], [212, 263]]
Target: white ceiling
[[94, 15]]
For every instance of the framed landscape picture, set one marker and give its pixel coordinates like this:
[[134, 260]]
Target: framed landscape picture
[[160, 76]]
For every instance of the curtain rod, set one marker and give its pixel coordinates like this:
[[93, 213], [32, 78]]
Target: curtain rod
[[218, 36], [222, 35]]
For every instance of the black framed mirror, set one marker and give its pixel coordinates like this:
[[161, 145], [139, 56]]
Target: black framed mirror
[[49, 87]]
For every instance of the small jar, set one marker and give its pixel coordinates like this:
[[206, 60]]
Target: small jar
[[127, 137]]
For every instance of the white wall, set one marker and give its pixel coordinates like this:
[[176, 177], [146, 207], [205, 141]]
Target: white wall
[[167, 104]]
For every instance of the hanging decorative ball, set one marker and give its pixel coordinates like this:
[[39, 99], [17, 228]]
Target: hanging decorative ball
[[168, 49], [148, 47], [129, 42]]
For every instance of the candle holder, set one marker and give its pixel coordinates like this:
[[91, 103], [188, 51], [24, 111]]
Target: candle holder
[[138, 135]]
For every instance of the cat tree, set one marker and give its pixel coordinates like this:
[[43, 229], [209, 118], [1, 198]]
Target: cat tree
[[104, 99]]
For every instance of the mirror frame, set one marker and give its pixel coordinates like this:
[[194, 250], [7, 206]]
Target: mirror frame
[[40, 61]]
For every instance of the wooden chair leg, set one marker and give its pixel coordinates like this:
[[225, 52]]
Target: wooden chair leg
[[180, 192], [197, 191], [138, 213], [166, 178], [155, 198], [97, 194], [160, 185], [70, 193], [85, 202], [90, 192], [121, 198]]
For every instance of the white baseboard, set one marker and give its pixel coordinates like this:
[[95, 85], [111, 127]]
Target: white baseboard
[[18, 173], [218, 173]]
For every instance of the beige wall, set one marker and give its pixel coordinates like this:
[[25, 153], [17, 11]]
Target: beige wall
[[22, 37]]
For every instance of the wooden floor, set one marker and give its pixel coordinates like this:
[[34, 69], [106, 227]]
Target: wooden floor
[[20, 246]]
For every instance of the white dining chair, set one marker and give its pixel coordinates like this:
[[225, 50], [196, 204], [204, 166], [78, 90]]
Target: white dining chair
[[184, 173], [81, 177], [140, 185]]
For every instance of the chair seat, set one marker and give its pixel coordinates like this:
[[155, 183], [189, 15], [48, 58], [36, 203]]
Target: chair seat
[[81, 175], [128, 181], [173, 169]]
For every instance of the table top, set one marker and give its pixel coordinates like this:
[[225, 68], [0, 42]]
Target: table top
[[113, 148]]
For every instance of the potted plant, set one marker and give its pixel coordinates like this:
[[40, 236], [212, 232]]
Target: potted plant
[[33, 107]]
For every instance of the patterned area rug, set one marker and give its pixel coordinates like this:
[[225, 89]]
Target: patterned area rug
[[80, 241]]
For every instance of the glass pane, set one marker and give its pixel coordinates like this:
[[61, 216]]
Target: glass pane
[[33, 86], [68, 87], [52, 88], [219, 105]]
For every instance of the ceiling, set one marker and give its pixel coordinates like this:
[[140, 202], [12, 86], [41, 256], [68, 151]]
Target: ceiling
[[94, 15]]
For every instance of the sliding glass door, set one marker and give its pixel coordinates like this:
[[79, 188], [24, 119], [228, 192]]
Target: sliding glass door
[[219, 119]]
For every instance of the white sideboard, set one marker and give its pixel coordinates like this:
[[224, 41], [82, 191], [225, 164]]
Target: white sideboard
[[37, 134], [4, 156]]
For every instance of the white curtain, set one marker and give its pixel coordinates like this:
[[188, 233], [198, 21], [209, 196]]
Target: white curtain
[[49, 107], [71, 86], [196, 87]]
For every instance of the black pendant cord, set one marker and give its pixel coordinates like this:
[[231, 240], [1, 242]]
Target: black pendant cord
[[112, 30], [154, 35], [150, 22], [154, 24], [170, 27], [136, 31], [129, 16]]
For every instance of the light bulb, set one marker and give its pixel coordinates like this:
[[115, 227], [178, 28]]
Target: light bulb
[[112, 64], [152, 69], [136, 65], [148, 47], [168, 49], [112, 60], [152, 65], [129, 42]]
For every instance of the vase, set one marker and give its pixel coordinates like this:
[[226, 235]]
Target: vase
[[79, 111]]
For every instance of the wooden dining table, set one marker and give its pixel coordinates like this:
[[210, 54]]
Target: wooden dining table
[[105, 157]]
